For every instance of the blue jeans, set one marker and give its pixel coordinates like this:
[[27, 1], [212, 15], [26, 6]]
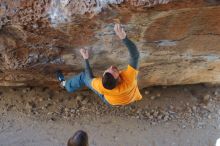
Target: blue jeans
[[79, 81]]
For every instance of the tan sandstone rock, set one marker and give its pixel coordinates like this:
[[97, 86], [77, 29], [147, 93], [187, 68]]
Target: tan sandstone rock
[[179, 41]]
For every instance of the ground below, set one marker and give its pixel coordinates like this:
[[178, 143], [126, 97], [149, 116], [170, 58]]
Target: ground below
[[167, 116]]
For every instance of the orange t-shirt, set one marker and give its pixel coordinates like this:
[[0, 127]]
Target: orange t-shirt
[[125, 92]]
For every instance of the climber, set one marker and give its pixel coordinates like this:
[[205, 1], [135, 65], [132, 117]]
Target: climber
[[114, 87]]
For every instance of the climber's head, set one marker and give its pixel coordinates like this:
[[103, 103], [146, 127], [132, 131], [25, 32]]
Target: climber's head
[[110, 77], [80, 138]]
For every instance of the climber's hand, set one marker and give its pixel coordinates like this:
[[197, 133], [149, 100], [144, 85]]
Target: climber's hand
[[85, 53], [119, 31]]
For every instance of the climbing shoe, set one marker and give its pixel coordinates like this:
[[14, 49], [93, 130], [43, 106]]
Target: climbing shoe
[[60, 75], [60, 78]]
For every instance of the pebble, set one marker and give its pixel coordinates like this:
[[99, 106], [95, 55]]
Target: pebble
[[139, 111], [146, 92], [166, 118], [216, 93], [47, 105], [147, 114], [201, 125], [72, 110], [171, 107], [66, 110], [152, 97], [206, 97], [35, 26], [30, 105], [183, 126], [35, 112], [166, 113], [153, 123], [52, 119], [194, 108], [85, 101], [9, 107], [49, 113], [158, 94], [155, 114], [159, 117], [61, 110], [79, 98], [190, 110]]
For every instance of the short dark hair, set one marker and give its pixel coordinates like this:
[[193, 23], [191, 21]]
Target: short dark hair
[[80, 138], [108, 81]]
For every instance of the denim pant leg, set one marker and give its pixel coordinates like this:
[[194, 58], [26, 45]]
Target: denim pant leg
[[80, 80], [75, 82]]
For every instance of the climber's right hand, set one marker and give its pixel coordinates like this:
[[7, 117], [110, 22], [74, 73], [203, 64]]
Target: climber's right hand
[[85, 53], [119, 31]]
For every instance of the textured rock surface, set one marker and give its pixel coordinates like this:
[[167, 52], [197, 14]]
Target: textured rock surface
[[179, 41]]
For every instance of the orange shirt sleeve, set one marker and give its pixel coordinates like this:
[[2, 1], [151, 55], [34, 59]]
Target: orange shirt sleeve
[[130, 73], [96, 84]]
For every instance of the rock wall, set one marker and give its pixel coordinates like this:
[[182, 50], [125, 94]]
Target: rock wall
[[178, 40]]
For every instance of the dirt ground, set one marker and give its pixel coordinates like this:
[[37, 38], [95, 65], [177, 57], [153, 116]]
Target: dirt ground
[[167, 116]]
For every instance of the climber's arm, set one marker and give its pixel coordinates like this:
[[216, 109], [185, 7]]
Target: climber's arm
[[133, 51], [88, 69]]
